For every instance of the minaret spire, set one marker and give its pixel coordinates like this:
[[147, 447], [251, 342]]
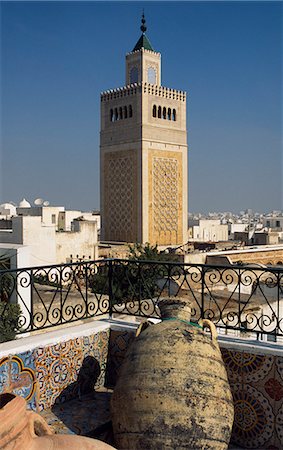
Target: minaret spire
[[143, 25], [143, 41]]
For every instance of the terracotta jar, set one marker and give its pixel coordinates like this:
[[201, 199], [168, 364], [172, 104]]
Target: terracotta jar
[[25, 430], [173, 391]]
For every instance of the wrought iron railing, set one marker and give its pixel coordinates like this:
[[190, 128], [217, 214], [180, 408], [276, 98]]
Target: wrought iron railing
[[245, 298]]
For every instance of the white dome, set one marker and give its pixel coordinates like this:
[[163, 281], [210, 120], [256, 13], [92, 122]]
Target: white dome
[[24, 204]]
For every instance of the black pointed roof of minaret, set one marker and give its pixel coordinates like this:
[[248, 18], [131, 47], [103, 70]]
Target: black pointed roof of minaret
[[143, 41]]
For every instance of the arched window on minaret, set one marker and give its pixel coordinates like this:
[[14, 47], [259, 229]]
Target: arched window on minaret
[[134, 75], [154, 111], [174, 117], [125, 112], [130, 111], [151, 75], [159, 112], [164, 113], [120, 113], [169, 114], [111, 115], [116, 114]]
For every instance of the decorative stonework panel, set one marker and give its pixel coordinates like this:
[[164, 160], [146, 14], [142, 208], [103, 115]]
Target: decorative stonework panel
[[120, 196], [165, 192]]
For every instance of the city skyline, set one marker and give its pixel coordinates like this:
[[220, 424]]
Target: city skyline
[[58, 57]]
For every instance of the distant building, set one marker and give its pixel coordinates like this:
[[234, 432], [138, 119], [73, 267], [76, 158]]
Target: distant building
[[47, 246], [7, 210], [236, 228], [207, 230], [274, 222]]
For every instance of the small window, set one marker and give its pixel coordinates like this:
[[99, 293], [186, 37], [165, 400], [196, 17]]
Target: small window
[[116, 114], [134, 75], [130, 111], [277, 223], [120, 113], [268, 223], [125, 112], [111, 115], [174, 115], [154, 111], [169, 114], [159, 112], [164, 113], [151, 75], [53, 218]]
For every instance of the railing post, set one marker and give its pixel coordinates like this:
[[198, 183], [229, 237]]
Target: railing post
[[169, 280], [202, 293], [31, 301], [61, 294], [86, 288], [110, 288], [277, 318], [239, 301]]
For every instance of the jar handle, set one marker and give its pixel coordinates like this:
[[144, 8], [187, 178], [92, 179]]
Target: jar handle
[[211, 326], [37, 425]]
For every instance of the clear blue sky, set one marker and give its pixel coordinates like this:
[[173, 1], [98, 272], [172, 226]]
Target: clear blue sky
[[58, 56]]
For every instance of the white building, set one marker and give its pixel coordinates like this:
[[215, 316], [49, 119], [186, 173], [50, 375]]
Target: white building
[[207, 230], [7, 210], [48, 246], [273, 222]]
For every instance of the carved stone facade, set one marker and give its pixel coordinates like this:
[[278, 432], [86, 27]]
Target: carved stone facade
[[120, 169], [165, 197], [143, 145]]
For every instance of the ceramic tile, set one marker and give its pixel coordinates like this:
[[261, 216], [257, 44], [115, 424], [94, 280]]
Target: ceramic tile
[[70, 369], [17, 375], [4, 374], [57, 368], [252, 381], [96, 346]]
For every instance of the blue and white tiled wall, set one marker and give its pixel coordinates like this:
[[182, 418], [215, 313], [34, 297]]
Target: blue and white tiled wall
[[50, 374]]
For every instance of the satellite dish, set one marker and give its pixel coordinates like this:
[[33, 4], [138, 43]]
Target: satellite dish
[[38, 201], [46, 203]]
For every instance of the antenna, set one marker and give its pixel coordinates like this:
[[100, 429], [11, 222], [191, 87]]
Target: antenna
[[38, 201]]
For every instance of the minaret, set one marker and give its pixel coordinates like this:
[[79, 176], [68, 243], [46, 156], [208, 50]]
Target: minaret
[[143, 154]]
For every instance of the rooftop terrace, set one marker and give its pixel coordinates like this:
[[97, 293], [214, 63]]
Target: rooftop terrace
[[77, 321]]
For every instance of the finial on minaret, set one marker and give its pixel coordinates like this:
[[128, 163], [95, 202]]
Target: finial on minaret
[[143, 25]]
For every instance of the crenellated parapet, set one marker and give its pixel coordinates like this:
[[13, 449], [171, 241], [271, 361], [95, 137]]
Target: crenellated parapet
[[129, 90], [144, 50], [161, 91], [152, 89]]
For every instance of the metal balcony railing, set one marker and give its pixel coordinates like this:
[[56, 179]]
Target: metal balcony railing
[[243, 299]]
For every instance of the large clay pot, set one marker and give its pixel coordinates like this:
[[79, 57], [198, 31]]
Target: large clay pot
[[25, 430], [173, 391]]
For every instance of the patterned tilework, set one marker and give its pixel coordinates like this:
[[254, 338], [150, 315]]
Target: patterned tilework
[[257, 386], [17, 375], [119, 342], [70, 369]]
